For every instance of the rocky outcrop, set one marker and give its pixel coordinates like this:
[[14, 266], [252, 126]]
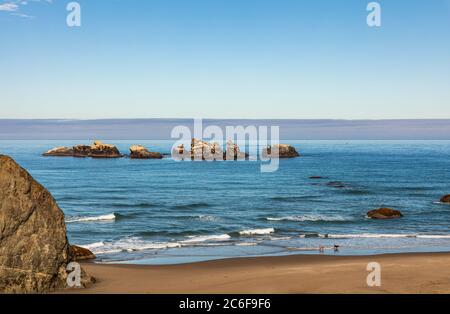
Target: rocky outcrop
[[280, 151], [201, 150], [96, 150], [140, 152], [34, 251], [445, 199], [233, 152], [384, 213], [77, 253], [60, 152]]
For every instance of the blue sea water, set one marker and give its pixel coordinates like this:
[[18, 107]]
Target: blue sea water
[[164, 211]]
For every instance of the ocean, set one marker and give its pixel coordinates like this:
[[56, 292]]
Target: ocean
[[167, 212]]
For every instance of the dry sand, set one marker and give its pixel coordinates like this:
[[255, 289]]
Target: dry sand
[[400, 273]]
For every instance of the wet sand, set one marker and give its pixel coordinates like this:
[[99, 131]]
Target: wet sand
[[400, 273]]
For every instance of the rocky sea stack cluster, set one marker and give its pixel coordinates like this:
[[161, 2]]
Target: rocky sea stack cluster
[[199, 150], [34, 251]]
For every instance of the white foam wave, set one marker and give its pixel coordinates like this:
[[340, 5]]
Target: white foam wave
[[128, 245], [94, 218], [134, 244], [92, 246], [246, 244], [198, 239], [308, 218], [257, 231], [371, 235], [207, 218]]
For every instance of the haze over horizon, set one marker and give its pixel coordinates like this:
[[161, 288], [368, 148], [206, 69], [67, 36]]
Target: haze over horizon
[[160, 129]]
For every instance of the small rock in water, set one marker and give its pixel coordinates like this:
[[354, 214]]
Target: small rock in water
[[140, 152], [284, 151], [384, 213], [445, 199]]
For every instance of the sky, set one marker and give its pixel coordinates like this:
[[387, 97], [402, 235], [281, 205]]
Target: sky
[[251, 59]]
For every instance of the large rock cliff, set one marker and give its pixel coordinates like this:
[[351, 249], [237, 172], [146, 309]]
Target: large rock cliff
[[34, 251]]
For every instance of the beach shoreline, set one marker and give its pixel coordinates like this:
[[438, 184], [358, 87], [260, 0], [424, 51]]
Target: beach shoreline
[[323, 274]]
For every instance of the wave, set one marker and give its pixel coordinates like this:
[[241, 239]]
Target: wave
[[206, 218], [128, 245], [357, 192], [257, 231], [131, 205], [191, 206], [135, 244], [107, 217], [205, 238], [441, 203], [380, 235], [289, 199], [93, 246], [308, 218]]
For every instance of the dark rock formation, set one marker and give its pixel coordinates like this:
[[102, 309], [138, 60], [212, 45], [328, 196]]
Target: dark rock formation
[[280, 151], [316, 177], [140, 152], [96, 150], [34, 251], [384, 213], [77, 253], [445, 199]]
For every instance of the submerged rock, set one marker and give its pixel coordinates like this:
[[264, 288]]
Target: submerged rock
[[77, 253], [140, 152], [445, 199], [336, 184], [384, 213], [96, 150], [34, 251], [284, 151]]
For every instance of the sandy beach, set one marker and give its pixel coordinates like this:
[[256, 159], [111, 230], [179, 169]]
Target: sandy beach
[[400, 273]]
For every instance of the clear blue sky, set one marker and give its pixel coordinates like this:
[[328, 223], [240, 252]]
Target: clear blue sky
[[225, 59]]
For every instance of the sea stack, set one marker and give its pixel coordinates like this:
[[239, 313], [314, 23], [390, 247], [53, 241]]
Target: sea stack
[[233, 152], [140, 152], [34, 251], [284, 151], [201, 150], [384, 213], [96, 150]]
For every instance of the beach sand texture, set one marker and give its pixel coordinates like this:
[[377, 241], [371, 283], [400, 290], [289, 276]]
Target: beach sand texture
[[400, 273]]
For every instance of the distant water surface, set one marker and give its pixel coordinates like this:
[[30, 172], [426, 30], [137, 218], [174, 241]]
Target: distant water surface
[[163, 211]]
